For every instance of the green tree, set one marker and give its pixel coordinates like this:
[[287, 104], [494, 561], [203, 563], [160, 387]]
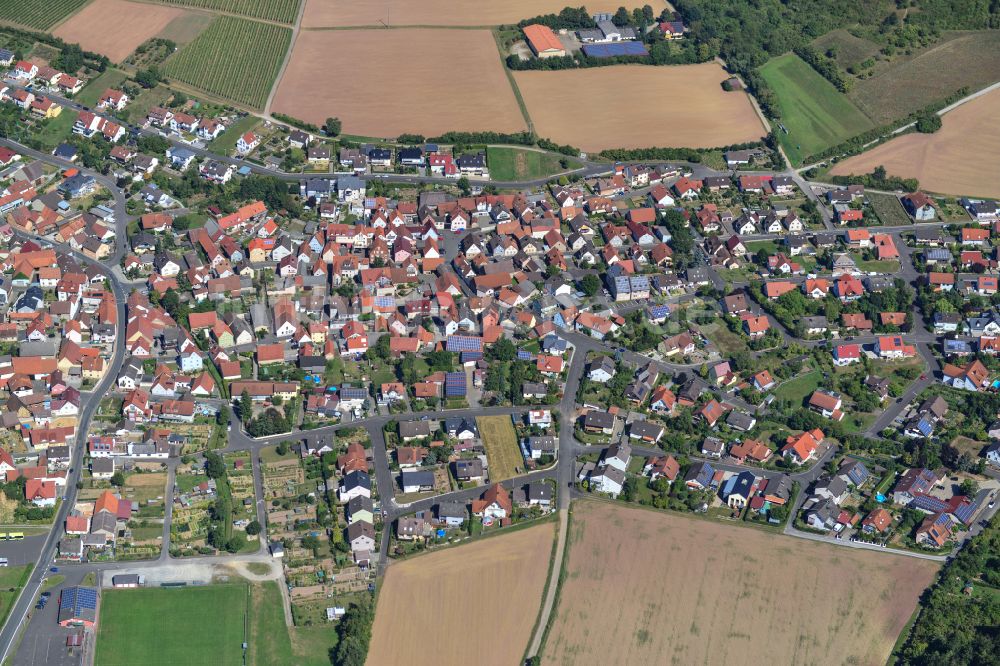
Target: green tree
[[118, 479], [253, 528], [463, 185], [590, 284], [215, 466]]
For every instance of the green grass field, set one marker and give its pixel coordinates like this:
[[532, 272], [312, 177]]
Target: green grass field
[[57, 129], [816, 114], [519, 164], [888, 209], [500, 442], [109, 78], [796, 390], [206, 626], [235, 59], [226, 143], [279, 11], [38, 14], [11, 581]]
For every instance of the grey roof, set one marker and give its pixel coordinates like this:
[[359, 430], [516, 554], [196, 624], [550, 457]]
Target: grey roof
[[417, 478], [357, 479], [451, 510], [414, 428]]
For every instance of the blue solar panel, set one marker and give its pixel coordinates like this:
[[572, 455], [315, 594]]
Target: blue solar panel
[[964, 512], [461, 343], [79, 597], [466, 357], [928, 503], [385, 301], [524, 355], [615, 49]]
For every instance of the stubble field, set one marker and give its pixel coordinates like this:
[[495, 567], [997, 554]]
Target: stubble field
[[680, 106], [960, 158], [400, 81], [707, 593], [474, 604], [116, 27], [342, 13]]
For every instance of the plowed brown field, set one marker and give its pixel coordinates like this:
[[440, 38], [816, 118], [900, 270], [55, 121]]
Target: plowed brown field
[[646, 587], [961, 158], [473, 604], [340, 13], [637, 106], [386, 82], [116, 27]]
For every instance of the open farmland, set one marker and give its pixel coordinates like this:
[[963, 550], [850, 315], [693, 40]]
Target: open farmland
[[960, 158], [492, 589], [680, 106], [816, 114], [38, 14], [707, 593], [234, 59], [414, 69], [279, 11], [500, 442], [901, 87], [115, 27], [342, 13], [523, 164]]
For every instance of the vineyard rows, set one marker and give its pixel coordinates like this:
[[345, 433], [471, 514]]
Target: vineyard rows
[[235, 59], [279, 11], [38, 14]]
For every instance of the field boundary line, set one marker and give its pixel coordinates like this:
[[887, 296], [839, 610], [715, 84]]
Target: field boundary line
[[382, 26], [513, 83], [553, 585], [296, 27], [217, 12]]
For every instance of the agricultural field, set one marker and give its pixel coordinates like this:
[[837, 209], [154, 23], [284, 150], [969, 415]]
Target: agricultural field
[[116, 27], [392, 60], [888, 209], [132, 630], [492, 589], [38, 14], [521, 164], [500, 442], [343, 13], [233, 58], [734, 594], [706, 117], [958, 159], [908, 84], [815, 113], [279, 11]]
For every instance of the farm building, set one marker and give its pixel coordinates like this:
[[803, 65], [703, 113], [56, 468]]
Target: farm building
[[543, 41]]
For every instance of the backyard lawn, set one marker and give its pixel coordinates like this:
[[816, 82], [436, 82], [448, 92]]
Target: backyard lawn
[[502, 450], [109, 78], [796, 390]]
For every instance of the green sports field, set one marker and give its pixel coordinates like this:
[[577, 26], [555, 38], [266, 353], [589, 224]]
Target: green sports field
[[191, 625], [815, 113]]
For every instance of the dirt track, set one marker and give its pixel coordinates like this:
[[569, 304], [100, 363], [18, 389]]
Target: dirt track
[[643, 584], [638, 106], [116, 27], [473, 604], [339, 13], [961, 158], [385, 82]]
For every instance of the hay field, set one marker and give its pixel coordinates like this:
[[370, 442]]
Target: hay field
[[500, 442], [636, 106], [906, 85], [116, 27], [342, 13], [961, 158], [473, 604], [401, 81], [708, 593]]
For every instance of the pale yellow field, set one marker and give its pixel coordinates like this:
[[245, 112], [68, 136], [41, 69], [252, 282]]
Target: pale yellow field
[[116, 27], [339, 13], [645, 587], [638, 106], [473, 604], [386, 82], [961, 158]]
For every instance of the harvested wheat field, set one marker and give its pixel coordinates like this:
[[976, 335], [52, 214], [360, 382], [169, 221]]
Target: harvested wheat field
[[116, 27], [401, 81], [638, 106], [341, 13], [708, 593], [488, 594], [961, 158]]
